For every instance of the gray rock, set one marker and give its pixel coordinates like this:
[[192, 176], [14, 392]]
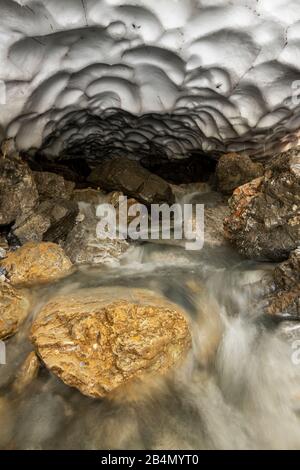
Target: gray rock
[[83, 246], [51, 221], [234, 170], [128, 176], [286, 298], [18, 193], [264, 220], [51, 185]]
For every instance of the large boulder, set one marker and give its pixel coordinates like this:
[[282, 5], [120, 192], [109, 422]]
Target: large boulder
[[36, 263], [51, 221], [234, 170], [18, 192], [14, 308], [264, 220], [286, 297], [128, 176], [99, 339]]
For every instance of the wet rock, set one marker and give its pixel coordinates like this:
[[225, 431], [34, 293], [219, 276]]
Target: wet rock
[[234, 170], [128, 176], [27, 373], [216, 209], [14, 308], [18, 193], [264, 220], [213, 224], [99, 339], [52, 220], [286, 298], [83, 246], [51, 185], [122, 205], [36, 263]]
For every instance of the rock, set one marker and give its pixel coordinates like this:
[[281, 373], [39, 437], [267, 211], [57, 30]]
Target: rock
[[3, 243], [36, 263], [128, 176], [122, 204], [9, 149], [286, 298], [88, 195], [216, 209], [234, 170], [3, 247], [27, 373], [213, 225], [51, 185], [52, 220], [99, 339], [84, 247], [264, 220], [14, 308], [18, 193]]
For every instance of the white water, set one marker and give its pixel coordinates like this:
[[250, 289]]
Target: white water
[[238, 388]]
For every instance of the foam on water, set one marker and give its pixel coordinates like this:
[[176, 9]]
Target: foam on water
[[186, 74]]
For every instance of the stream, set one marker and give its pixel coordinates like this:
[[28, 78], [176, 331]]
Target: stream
[[238, 388]]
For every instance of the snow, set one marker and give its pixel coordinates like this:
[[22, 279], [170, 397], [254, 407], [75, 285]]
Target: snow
[[223, 70]]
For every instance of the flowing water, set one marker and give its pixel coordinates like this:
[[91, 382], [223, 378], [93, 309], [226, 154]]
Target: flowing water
[[238, 388]]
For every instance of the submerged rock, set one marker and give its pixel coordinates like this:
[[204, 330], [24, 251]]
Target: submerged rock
[[99, 339], [128, 176], [18, 193], [51, 221], [27, 373], [234, 170], [264, 220], [51, 185], [36, 263], [14, 308], [286, 298]]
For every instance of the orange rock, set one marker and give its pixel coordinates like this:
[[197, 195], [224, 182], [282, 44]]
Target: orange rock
[[14, 308], [99, 339], [27, 373], [36, 263]]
